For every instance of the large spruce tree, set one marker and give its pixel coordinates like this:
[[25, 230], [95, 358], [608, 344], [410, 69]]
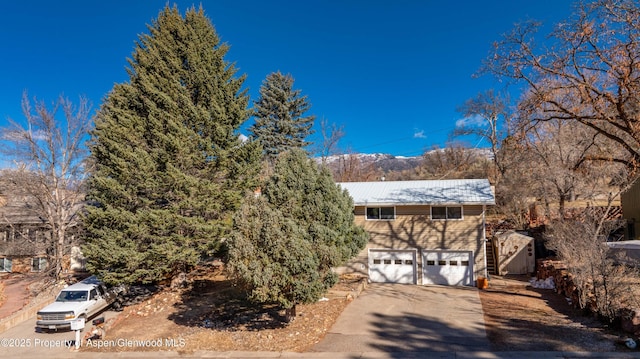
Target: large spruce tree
[[280, 121], [286, 241], [170, 169]]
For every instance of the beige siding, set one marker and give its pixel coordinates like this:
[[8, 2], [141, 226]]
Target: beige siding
[[413, 228]]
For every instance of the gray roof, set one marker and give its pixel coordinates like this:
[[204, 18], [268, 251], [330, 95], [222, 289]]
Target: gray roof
[[439, 192]]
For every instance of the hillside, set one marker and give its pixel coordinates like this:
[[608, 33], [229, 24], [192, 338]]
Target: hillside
[[377, 161], [374, 166]]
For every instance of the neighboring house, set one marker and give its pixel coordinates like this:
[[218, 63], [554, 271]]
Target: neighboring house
[[25, 242], [630, 203], [628, 250], [422, 232], [22, 237]]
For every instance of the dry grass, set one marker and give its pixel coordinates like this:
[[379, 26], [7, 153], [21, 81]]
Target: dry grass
[[212, 315], [521, 318]]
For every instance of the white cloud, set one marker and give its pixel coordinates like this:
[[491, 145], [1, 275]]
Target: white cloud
[[419, 134], [22, 135], [39, 135], [471, 121]]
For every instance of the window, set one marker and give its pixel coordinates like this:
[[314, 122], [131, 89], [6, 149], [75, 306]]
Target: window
[[381, 213], [38, 264], [5, 265], [72, 296], [446, 212]]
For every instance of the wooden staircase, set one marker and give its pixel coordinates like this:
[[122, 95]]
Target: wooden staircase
[[491, 258]]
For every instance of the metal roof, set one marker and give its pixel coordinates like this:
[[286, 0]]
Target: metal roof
[[439, 192]]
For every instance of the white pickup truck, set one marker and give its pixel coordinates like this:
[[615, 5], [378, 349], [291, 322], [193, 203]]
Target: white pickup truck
[[84, 299]]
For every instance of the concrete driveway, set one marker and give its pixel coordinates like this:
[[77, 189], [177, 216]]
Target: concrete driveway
[[409, 318]]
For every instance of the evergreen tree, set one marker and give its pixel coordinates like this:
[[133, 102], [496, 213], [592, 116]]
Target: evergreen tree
[[317, 204], [286, 241], [272, 258], [280, 123], [170, 169]]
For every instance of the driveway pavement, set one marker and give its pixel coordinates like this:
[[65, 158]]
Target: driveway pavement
[[16, 291], [405, 318]]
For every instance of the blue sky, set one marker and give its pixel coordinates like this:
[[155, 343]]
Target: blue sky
[[391, 72]]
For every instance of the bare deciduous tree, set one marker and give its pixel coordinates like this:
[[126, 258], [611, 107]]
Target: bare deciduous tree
[[558, 153], [603, 283], [331, 136], [589, 72], [49, 153], [513, 194], [553, 161], [487, 117], [454, 161], [350, 168]]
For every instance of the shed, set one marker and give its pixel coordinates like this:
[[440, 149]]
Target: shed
[[515, 253]]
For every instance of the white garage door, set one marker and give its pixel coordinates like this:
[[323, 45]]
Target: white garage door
[[392, 266], [447, 267]]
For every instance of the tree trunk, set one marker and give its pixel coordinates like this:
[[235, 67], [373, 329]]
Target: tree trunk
[[290, 313], [59, 254], [561, 205]]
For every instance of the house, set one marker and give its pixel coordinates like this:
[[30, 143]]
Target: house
[[630, 204], [427, 232], [628, 250], [25, 237], [22, 236]]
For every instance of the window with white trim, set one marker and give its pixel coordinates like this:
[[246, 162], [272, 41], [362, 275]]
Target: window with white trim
[[446, 212], [5, 265], [38, 264], [381, 213]]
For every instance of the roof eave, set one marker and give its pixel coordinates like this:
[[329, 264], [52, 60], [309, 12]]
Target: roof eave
[[425, 204]]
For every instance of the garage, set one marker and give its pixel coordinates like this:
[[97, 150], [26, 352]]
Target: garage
[[393, 266], [447, 267]]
